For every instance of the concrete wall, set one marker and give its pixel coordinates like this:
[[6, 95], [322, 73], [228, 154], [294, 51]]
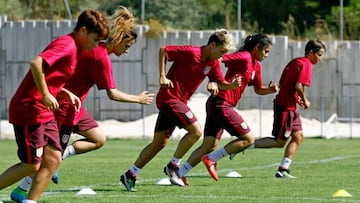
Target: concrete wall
[[335, 86]]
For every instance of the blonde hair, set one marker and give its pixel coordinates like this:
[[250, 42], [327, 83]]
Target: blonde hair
[[223, 38], [122, 25]]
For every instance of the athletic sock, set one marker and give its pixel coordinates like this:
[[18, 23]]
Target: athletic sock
[[25, 183], [285, 163], [175, 161], [184, 169], [218, 154], [251, 146], [69, 151], [134, 170], [29, 201]]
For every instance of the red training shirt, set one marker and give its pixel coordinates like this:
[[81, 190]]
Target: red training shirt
[[26, 106], [240, 64], [187, 72], [298, 70], [93, 68]]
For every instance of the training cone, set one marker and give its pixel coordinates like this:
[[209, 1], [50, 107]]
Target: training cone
[[233, 174], [164, 181], [341, 193], [86, 191]]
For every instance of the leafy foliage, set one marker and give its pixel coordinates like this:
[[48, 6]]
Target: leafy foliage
[[298, 19]]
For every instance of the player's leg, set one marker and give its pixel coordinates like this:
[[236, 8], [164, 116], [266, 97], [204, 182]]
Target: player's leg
[[208, 145], [183, 117], [50, 162], [93, 139], [292, 146], [159, 141]]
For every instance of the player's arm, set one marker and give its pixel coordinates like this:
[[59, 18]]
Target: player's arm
[[164, 82], [37, 71], [117, 95], [263, 90], [213, 88], [303, 101], [235, 83]]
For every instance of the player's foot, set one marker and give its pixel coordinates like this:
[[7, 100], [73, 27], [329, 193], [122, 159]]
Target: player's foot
[[18, 194], [211, 166], [184, 180], [283, 174], [55, 177], [172, 171], [232, 156], [128, 181]]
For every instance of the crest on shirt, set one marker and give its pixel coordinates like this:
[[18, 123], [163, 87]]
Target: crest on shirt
[[65, 138], [207, 70], [189, 115], [244, 125], [39, 152]]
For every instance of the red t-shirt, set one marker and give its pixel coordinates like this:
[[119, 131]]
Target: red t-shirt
[[93, 68], [187, 72], [240, 64], [26, 106], [298, 70]]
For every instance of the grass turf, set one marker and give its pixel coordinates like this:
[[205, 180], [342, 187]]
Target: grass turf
[[321, 166]]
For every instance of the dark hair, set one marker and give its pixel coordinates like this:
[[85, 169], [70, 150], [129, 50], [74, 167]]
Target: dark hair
[[314, 46], [94, 21], [251, 41]]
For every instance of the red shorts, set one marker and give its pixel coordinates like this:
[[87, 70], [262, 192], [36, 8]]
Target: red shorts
[[86, 122], [32, 139], [174, 114], [285, 121], [221, 115]]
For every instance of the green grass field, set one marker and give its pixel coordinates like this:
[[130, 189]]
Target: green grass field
[[322, 167]]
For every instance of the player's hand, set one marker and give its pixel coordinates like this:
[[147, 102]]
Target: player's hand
[[165, 83], [236, 81], [50, 102], [213, 88], [275, 86], [146, 98]]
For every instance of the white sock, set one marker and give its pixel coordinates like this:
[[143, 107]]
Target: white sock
[[69, 151], [218, 154], [252, 146], [285, 163], [134, 170], [184, 169], [25, 183], [28, 201], [175, 161]]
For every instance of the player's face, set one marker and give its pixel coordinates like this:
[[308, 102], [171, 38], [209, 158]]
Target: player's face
[[217, 52], [261, 54], [87, 40], [315, 57], [123, 47]]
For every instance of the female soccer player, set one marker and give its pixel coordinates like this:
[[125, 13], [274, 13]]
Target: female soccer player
[[32, 107]]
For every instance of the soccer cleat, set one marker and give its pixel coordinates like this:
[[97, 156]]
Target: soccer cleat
[[232, 156], [283, 174], [172, 171], [211, 166], [18, 195], [128, 181], [55, 178], [184, 180]]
